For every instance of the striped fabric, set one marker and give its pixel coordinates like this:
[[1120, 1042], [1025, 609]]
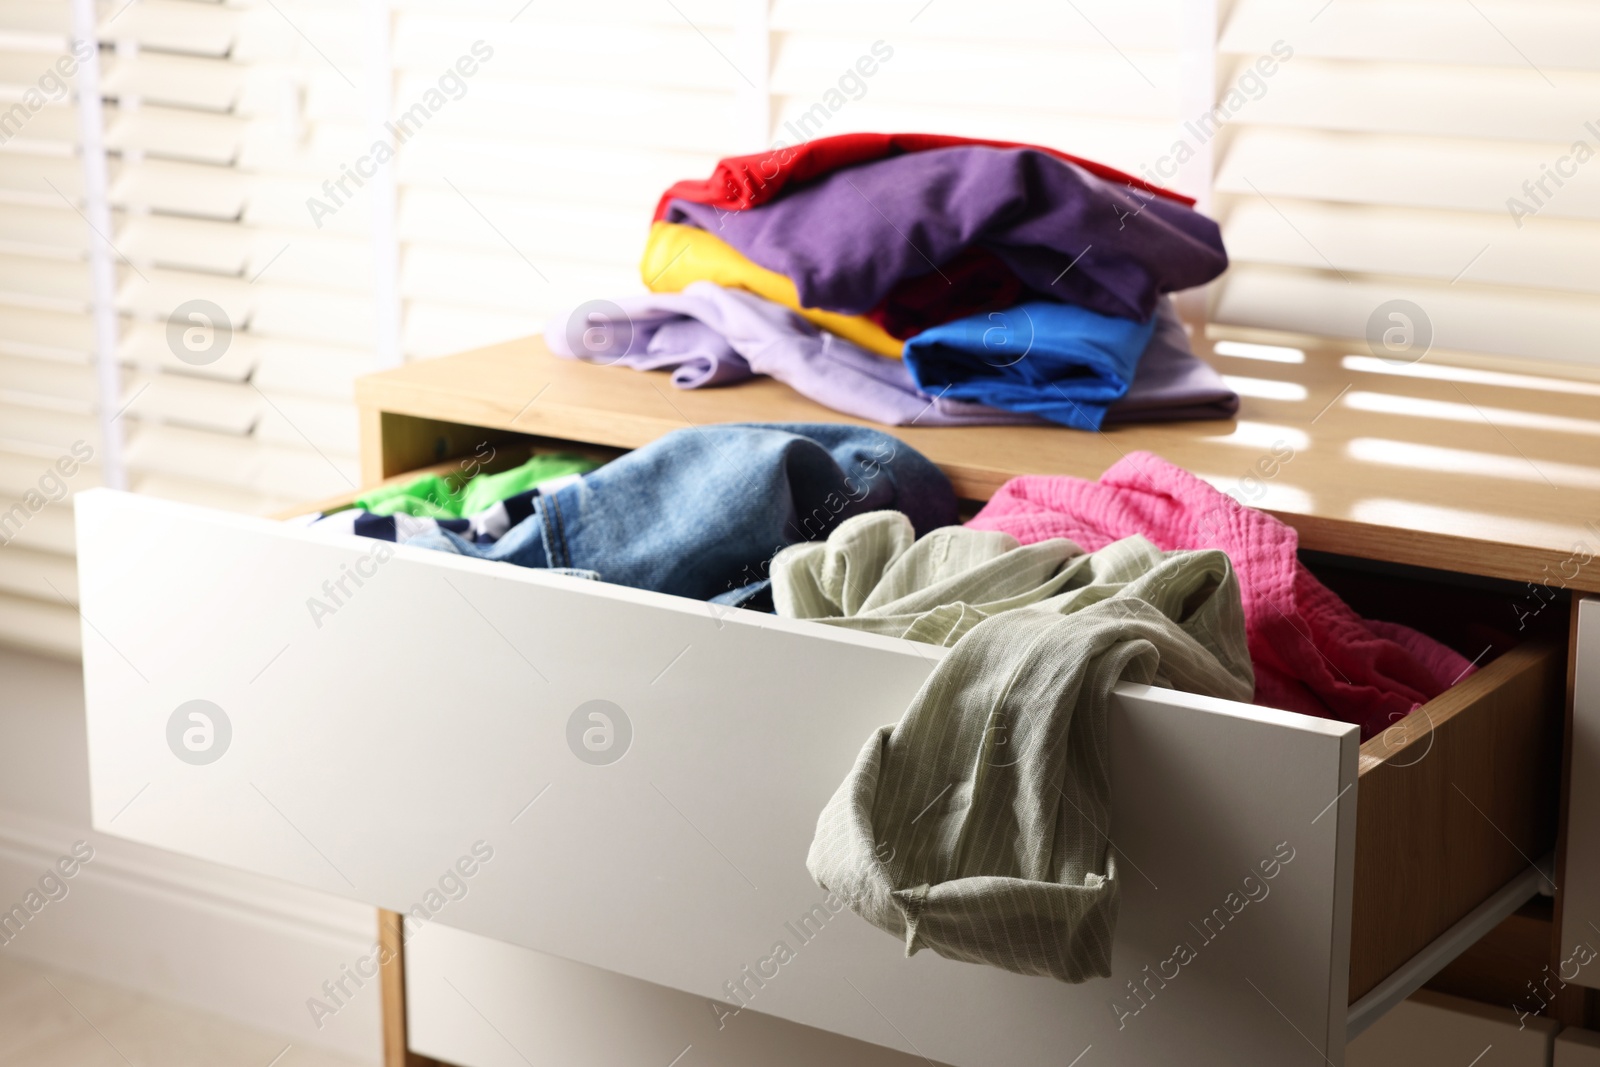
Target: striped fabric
[[974, 826], [873, 574], [484, 527]]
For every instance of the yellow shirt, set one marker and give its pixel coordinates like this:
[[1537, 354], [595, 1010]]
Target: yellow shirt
[[677, 255]]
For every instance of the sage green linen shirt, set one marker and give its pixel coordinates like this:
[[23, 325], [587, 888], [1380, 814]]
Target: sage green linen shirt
[[975, 825]]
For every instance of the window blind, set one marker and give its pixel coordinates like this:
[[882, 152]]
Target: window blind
[[48, 396], [609, 102], [331, 187], [1431, 151], [1097, 78], [236, 133], [613, 101], [242, 320]]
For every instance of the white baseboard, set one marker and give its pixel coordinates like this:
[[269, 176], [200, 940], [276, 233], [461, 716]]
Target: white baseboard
[[247, 948]]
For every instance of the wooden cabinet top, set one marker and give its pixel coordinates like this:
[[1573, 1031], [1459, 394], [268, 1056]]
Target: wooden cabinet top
[[1488, 472]]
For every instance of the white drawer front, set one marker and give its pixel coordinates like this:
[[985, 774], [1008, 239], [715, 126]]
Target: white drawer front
[[375, 746]]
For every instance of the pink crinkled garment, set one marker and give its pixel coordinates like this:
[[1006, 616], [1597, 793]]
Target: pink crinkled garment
[[1312, 653]]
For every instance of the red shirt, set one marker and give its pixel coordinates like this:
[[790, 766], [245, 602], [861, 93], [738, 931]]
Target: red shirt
[[740, 182]]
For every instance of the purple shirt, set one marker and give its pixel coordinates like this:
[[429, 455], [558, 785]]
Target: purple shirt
[[708, 335], [847, 240]]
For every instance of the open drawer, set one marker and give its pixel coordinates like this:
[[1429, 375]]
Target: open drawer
[[631, 780]]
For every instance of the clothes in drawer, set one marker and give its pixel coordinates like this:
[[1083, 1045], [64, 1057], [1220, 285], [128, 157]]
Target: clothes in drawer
[[631, 780]]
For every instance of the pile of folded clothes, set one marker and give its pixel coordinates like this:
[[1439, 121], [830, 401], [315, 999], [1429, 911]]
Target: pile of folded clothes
[[920, 278]]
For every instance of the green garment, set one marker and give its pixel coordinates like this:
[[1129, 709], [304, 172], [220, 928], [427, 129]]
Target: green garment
[[873, 574], [439, 497], [973, 826]]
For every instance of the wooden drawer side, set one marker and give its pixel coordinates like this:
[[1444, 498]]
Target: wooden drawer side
[[1454, 801]]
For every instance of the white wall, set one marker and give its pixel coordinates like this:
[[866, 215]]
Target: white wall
[[247, 948]]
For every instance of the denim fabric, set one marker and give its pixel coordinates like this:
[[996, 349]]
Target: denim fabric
[[701, 512]]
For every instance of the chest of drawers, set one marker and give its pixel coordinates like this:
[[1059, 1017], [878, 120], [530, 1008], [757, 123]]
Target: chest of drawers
[[414, 747]]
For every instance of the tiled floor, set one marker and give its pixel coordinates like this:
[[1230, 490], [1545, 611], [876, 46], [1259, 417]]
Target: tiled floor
[[49, 1019]]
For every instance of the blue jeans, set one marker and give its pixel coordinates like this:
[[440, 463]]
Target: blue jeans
[[702, 511]]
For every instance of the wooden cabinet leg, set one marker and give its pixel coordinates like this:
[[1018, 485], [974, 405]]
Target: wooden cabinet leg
[[392, 978]]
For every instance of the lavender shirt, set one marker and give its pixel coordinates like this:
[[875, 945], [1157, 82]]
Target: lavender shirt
[[708, 335]]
